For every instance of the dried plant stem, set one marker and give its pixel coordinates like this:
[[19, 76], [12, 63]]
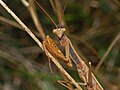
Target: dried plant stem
[[40, 45], [108, 51], [117, 2], [57, 8], [21, 23], [33, 13], [15, 24], [3, 19], [53, 5], [60, 12]]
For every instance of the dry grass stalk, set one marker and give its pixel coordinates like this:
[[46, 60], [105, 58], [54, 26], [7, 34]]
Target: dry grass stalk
[[31, 7], [15, 24], [3, 19], [59, 11], [108, 51], [21, 23]]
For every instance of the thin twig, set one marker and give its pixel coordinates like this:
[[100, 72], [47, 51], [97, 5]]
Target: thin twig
[[21, 24], [3, 19], [33, 13], [107, 52], [57, 8], [15, 24], [117, 2], [60, 12], [53, 5]]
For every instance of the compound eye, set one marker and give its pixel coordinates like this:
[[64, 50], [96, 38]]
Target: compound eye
[[63, 29], [54, 31]]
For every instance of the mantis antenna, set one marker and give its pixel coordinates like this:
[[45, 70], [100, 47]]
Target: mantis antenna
[[49, 15], [46, 14], [63, 11]]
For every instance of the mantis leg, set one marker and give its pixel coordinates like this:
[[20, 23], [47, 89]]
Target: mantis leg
[[64, 84], [67, 52], [88, 82], [46, 52], [83, 84]]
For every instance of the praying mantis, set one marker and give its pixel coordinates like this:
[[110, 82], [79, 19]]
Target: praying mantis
[[84, 71], [50, 46]]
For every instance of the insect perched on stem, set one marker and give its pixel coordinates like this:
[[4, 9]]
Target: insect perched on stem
[[49, 44], [84, 72]]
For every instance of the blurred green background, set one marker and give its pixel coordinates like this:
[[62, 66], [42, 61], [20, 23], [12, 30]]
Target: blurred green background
[[92, 26]]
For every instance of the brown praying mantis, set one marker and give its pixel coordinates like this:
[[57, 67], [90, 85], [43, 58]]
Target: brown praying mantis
[[49, 44], [84, 72]]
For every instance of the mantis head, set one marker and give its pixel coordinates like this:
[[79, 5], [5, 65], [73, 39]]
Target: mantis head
[[59, 32]]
